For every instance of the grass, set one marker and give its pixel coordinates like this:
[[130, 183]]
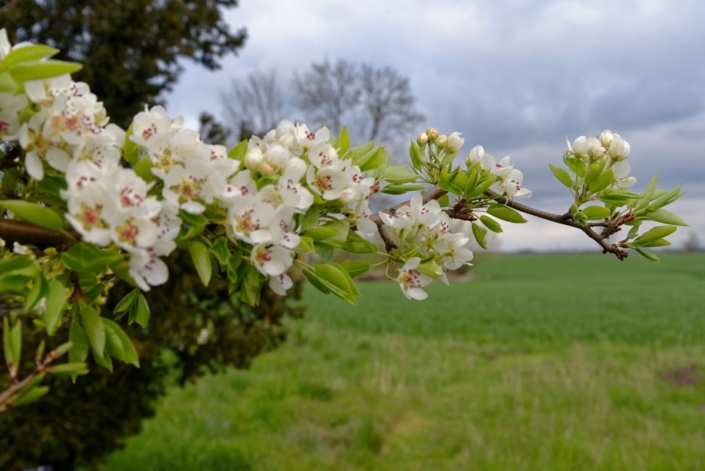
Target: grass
[[569, 362]]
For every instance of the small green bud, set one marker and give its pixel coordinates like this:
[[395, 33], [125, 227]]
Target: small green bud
[[442, 141]]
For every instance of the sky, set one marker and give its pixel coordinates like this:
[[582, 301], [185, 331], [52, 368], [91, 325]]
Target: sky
[[515, 76]]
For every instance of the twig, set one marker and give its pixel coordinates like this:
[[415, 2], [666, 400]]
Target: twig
[[9, 6], [564, 219], [12, 230]]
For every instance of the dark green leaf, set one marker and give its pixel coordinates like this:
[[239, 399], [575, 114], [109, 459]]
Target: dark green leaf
[[128, 349], [94, 329], [201, 260], [56, 305], [356, 244]]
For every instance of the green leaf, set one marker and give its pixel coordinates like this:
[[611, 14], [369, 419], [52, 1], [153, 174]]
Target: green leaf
[[355, 268], [310, 219], [505, 213], [655, 233], [357, 152], [321, 233], [491, 224], [34, 213], [238, 152], [201, 260], [18, 265], [666, 217], [129, 354], [594, 171], [12, 344], [398, 175], [562, 176], [472, 176], [596, 212], [94, 329], [79, 341], [648, 255], [656, 243], [342, 143], [113, 344], [56, 305], [665, 199], [127, 302], [143, 169], [74, 369], [576, 165], [7, 83], [306, 244], [431, 269], [338, 281], [29, 53], [30, 395], [220, 250], [482, 185], [356, 244], [88, 257], [417, 155], [251, 286], [39, 289], [42, 70], [480, 234], [401, 189], [377, 159], [105, 361], [446, 182], [140, 313], [604, 180]]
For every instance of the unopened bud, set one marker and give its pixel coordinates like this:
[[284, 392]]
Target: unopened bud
[[432, 134], [442, 141], [266, 169], [422, 139], [619, 148], [455, 142], [253, 158], [606, 137]]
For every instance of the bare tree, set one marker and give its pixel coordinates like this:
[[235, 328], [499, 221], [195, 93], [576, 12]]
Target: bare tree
[[328, 93], [254, 105], [388, 106]]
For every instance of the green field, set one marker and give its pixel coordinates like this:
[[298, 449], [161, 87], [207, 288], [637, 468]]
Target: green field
[[558, 362]]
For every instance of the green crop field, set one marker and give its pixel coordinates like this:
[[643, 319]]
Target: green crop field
[[554, 362]]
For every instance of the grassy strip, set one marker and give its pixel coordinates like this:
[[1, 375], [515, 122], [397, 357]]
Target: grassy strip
[[558, 362]]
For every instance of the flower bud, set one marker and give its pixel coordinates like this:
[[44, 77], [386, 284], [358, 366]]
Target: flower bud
[[606, 137], [619, 148], [455, 142], [595, 149], [266, 169], [253, 158], [475, 155], [442, 141], [580, 147], [422, 139], [432, 134]]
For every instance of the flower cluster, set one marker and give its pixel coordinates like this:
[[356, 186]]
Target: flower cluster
[[509, 178], [106, 203], [605, 146], [279, 177], [425, 232]]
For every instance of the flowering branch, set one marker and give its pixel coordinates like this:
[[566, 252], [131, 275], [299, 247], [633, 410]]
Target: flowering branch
[[566, 220], [12, 230]]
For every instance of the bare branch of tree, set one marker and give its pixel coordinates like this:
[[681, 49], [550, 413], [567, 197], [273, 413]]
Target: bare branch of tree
[[328, 92], [255, 104], [389, 107]]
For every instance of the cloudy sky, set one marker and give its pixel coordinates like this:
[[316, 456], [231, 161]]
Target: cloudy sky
[[516, 76]]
